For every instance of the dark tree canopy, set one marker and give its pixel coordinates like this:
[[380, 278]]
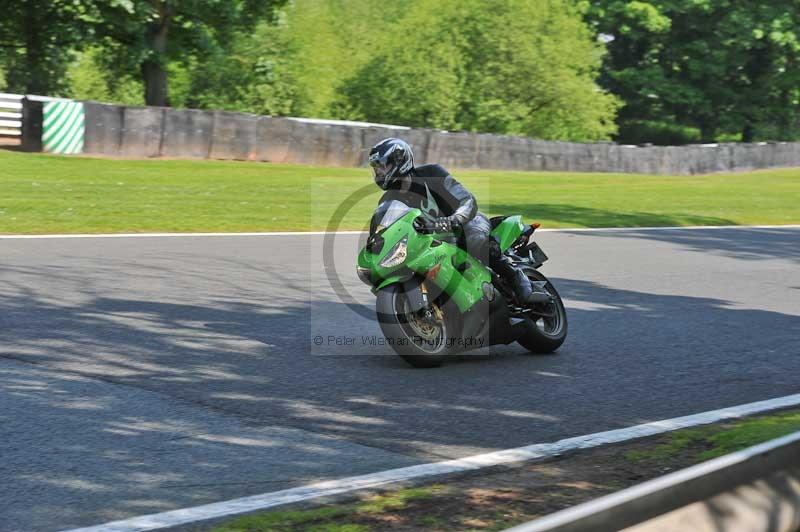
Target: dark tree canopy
[[146, 35], [37, 41], [721, 66]]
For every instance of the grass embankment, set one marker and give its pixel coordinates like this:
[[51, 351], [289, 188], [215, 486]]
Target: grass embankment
[[495, 500], [51, 194]]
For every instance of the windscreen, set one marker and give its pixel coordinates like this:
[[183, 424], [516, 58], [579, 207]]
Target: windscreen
[[387, 213]]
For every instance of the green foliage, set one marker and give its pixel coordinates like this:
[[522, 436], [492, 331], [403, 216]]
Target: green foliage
[[37, 42], [658, 133], [516, 67], [412, 80], [331, 39], [513, 68], [724, 67], [532, 71], [150, 36], [253, 74], [154, 40], [88, 80]]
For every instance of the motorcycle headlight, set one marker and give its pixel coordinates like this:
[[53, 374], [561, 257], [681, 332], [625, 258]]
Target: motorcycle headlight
[[365, 274], [396, 255]]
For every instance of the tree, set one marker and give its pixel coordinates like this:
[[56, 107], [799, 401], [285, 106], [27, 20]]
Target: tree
[[511, 66], [722, 66], [147, 35], [531, 69], [329, 40], [37, 40], [89, 79], [413, 79], [255, 74]]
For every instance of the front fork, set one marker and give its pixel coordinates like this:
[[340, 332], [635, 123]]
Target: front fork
[[417, 294]]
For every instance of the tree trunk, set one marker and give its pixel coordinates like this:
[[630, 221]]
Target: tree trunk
[[155, 83], [154, 71], [748, 132], [36, 77], [707, 133]]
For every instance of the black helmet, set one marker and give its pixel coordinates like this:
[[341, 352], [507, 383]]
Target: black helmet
[[390, 158]]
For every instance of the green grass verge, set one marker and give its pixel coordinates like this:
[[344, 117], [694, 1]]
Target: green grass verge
[[319, 519], [704, 443], [53, 194]]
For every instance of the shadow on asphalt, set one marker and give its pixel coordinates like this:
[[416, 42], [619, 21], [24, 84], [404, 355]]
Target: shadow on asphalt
[[627, 354], [749, 243]]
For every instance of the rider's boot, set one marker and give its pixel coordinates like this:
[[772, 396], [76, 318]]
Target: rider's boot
[[518, 281]]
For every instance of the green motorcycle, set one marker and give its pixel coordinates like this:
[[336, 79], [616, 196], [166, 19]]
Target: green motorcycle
[[434, 299]]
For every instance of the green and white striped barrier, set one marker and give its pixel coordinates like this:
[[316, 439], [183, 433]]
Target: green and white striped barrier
[[62, 131]]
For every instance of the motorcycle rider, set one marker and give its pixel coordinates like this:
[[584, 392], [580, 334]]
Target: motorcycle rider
[[446, 206]]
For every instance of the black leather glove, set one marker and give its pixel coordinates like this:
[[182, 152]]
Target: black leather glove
[[446, 224]]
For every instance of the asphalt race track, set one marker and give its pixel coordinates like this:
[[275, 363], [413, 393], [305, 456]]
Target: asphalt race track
[[139, 375]]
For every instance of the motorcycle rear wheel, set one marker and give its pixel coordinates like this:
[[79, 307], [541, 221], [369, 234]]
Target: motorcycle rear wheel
[[545, 335], [422, 343]]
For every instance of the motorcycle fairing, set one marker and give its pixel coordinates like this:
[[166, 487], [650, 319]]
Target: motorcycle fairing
[[508, 231], [459, 275]]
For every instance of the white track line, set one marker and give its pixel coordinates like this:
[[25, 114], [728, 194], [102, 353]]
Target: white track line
[[319, 233], [470, 463], [172, 235]]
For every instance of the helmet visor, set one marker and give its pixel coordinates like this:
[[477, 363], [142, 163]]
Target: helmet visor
[[382, 167]]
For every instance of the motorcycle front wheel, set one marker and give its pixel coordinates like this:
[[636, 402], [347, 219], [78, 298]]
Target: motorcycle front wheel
[[419, 338]]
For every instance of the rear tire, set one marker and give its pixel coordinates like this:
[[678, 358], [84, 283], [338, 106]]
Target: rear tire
[[405, 335], [545, 335]]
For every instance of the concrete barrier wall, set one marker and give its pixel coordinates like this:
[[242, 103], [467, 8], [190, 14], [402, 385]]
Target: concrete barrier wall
[[142, 129], [103, 128], [233, 137], [187, 133], [165, 132]]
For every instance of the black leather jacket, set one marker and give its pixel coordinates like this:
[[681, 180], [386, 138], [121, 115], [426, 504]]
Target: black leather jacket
[[435, 192]]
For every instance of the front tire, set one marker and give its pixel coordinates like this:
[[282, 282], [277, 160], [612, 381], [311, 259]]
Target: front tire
[[545, 335], [421, 342]]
